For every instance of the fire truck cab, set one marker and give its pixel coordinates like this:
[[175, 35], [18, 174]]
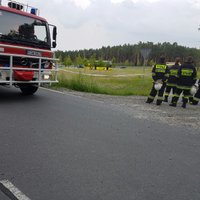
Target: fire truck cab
[[26, 59]]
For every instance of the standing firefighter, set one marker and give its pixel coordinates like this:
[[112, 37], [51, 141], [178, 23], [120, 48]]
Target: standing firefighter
[[159, 75], [186, 78], [196, 98], [172, 80]]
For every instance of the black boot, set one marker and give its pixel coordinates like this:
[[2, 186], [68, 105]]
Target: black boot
[[158, 102], [149, 100], [191, 100], [166, 99], [195, 102], [183, 105], [173, 104]]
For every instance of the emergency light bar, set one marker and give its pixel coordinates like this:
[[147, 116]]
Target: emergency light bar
[[15, 5], [24, 7], [33, 11]]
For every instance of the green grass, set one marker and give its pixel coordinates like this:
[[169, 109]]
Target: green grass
[[108, 82], [128, 81], [77, 82]]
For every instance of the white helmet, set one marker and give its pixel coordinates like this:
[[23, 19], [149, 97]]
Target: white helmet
[[193, 89], [158, 86]]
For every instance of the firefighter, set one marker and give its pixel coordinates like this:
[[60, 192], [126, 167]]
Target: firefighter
[[27, 31], [196, 98], [186, 78], [160, 74], [172, 80]]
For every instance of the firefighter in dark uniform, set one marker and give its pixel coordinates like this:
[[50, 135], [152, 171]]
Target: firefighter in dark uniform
[[186, 78], [196, 98], [160, 74], [172, 80]]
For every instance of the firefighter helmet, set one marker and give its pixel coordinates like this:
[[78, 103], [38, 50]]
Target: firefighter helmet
[[158, 86], [193, 89]]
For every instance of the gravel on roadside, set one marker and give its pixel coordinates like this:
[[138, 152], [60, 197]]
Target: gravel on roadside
[[136, 107]]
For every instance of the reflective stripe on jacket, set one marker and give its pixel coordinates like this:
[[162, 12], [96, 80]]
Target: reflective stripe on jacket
[[173, 75], [160, 71], [186, 75]]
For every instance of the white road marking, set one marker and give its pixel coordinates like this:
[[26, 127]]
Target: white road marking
[[51, 90], [11, 191], [59, 92]]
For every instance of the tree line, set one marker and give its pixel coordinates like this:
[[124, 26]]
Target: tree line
[[129, 55]]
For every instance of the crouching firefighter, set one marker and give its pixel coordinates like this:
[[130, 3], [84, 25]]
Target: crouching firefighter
[[186, 79], [172, 80], [160, 74]]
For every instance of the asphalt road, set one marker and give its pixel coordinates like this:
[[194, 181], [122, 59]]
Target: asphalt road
[[56, 146]]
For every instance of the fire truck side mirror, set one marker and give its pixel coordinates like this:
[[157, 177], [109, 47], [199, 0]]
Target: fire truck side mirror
[[54, 37], [54, 44], [54, 33]]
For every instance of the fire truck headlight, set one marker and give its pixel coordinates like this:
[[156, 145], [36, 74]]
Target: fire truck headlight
[[46, 77]]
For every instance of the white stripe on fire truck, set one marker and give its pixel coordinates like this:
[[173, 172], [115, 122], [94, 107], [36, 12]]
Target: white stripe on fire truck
[[27, 48]]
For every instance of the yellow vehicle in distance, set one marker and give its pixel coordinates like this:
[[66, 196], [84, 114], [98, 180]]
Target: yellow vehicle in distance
[[100, 65]]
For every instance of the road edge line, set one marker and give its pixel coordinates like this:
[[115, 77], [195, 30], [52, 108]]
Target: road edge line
[[11, 191]]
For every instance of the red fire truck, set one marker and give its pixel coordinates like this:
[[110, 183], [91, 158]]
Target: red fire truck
[[26, 59]]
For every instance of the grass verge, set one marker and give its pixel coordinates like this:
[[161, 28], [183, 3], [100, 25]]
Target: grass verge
[[111, 83]]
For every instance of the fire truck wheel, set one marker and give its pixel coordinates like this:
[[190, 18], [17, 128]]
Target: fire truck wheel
[[28, 89]]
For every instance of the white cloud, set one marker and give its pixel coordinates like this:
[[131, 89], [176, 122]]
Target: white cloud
[[117, 1], [82, 3], [135, 1], [195, 3], [94, 23], [153, 1]]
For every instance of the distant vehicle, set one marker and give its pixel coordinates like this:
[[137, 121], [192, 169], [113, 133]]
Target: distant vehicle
[[100, 65], [26, 59], [80, 66]]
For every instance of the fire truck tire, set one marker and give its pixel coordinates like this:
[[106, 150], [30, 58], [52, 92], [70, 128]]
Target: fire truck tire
[[28, 89]]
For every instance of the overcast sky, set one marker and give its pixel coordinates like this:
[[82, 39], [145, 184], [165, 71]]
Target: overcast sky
[[85, 24]]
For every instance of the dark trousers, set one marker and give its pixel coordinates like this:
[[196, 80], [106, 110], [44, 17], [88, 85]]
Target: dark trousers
[[154, 92], [195, 100], [168, 90], [186, 95]]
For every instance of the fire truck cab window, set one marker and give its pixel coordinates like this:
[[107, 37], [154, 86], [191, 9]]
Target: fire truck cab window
[[40, 33], [22, 29]]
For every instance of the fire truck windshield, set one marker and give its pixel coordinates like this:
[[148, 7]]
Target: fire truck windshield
[[18, 29]]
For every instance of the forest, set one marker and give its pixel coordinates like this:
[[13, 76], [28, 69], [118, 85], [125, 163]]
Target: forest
[[141, 54]]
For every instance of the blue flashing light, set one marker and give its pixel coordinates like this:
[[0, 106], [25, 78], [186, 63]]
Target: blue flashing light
[[33, 11]]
